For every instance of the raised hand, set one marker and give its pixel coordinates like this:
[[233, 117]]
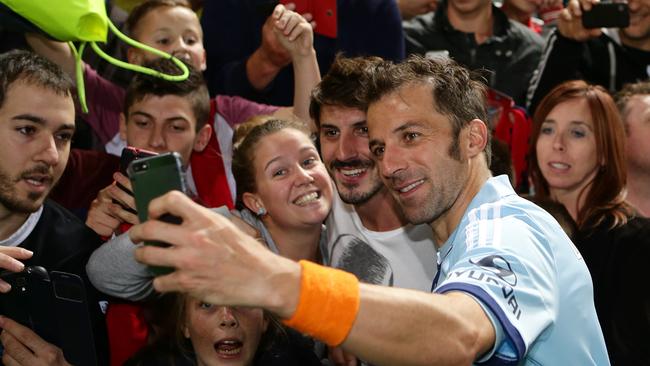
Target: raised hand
[[293, 31], [569, 24]]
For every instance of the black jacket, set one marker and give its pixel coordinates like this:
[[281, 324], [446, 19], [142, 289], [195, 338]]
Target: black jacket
[[618, 262], [61, 242], [510, 55]]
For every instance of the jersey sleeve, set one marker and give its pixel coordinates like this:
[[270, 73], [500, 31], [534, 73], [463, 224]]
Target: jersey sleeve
[[508, 269]]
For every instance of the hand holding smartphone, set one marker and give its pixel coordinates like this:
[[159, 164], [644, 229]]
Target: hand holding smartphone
[[152, 177]]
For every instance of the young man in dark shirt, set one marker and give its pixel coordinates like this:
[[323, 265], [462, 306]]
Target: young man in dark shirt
[[36, 127]]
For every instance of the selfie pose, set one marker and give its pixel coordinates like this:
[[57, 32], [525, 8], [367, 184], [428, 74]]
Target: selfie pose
[[511, 288]]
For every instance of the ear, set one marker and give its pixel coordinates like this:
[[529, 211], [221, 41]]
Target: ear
[[478, 136], [265, 323], [134, 56], [186, 331], [123, 127], [204, 64], [252, 201], [202, 138]]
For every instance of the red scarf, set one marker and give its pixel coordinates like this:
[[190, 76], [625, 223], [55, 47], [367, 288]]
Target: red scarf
[[209, 172]]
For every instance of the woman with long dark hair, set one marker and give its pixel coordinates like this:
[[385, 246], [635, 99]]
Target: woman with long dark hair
[[578, 159]]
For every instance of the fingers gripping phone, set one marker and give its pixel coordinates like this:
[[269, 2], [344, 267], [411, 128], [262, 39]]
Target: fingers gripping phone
[[152, 177], [607, 15]]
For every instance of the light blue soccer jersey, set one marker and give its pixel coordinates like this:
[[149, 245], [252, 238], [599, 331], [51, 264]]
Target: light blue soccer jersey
[[515, 259]]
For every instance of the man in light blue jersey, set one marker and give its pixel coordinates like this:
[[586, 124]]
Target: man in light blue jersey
[[511, 288], [531, 292]]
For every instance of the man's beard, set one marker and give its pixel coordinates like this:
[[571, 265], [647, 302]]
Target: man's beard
[[347, 192], [9, 198]]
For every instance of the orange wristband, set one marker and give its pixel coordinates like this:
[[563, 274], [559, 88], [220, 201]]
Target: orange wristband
[[328, 304]]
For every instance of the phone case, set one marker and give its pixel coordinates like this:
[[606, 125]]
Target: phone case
[[607, 15], [152, 177], [324, 13]]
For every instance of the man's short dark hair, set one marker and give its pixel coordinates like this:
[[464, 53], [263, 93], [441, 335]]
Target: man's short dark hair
[[28, 67], [193, 89], [456, 92], [344, 85]]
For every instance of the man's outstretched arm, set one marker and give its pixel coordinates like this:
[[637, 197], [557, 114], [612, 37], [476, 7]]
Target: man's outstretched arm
[[218, 263]]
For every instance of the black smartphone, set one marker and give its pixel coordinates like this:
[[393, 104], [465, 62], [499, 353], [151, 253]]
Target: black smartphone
[[607, 15], [30, 301], [76, 336], [153, 177], [128, 155]]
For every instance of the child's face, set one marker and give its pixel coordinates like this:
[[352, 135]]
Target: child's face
[[175, 30], [223, 335]]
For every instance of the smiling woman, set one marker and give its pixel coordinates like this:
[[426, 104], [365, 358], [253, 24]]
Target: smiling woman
[[281, 179], [577, 160]]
